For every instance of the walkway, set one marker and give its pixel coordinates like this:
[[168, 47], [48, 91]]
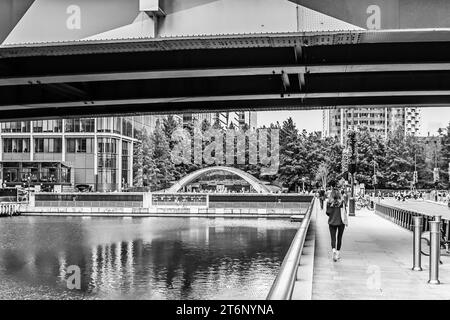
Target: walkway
[[376, 261]]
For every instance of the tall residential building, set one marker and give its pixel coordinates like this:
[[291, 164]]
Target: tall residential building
[[149, 122], [382, 121], [61, 154], [225, 119], [249, 118]]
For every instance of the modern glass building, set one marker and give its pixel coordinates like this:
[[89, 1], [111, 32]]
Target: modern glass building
[[59, 155]]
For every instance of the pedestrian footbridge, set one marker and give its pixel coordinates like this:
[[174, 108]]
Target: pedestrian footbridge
[[376, 258]]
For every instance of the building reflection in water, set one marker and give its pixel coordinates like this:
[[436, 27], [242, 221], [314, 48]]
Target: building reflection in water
[[150, 258]]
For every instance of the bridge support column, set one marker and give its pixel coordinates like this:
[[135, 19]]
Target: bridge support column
[[435, 250], [417, 263]]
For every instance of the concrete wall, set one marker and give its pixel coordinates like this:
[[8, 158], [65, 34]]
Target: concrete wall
[[229, 17], [65, 20]]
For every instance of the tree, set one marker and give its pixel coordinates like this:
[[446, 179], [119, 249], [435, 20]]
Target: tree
[[399, 171], [444, 156], [333, 154], [143, 161], [322, 174], [169, 126], [365, 155], [160, 173], [290, 154]]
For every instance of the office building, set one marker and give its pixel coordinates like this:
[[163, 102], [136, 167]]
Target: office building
[[58, 155]]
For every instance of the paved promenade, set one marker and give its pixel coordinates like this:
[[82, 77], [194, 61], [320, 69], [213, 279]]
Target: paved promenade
[[376, 261]]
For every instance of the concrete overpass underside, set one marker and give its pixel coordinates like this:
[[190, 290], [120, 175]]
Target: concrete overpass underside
[[220, 73]]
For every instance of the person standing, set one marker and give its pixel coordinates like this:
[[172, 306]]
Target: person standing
[[321, 197], [337, 221]]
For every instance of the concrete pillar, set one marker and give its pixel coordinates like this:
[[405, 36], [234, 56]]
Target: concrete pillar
[[63, 142], [31, 142], [385, 122], [130, 164], [343, 119], [95, 156]]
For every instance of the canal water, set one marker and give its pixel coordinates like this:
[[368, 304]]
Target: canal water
[[141, 258]]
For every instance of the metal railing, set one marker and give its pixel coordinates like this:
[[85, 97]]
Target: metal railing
[[283, 285], [405, 218], [9, 208], [418, 223]]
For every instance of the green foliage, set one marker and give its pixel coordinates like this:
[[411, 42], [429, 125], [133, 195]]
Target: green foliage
[[305, 157], [160, 168]]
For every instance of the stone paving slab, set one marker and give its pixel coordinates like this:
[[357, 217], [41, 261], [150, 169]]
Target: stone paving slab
[[376, 261]]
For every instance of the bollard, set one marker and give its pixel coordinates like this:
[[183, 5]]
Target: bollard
[[417, 263], [435, 250]]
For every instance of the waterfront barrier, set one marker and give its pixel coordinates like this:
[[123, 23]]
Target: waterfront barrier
[[283, 285], [83, 200], [419, 223], [9, 209], [405, 218], [169, 203]]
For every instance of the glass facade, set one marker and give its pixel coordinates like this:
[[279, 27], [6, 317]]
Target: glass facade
[[125, 163], [47, 126], [79, 125], [80, 145], [35, 173], [35, 151], [19, 126], [47, 145], [111, 125], [16, 145], [108, 149], [127, 127]]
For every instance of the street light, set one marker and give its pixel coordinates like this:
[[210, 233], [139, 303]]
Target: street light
[[415, 178], [29, 182], [374, 178], [352, 170], [435, 172]]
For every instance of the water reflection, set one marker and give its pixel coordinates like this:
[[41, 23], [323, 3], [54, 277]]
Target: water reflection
[[148, 258]]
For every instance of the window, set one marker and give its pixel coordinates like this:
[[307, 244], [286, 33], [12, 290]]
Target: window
[[79, 125], [47, 126], [80, 145], [127, 127], [125, 162], [113, 125], [19, 126], [71, 145], [44, 145], [107, 145], [16, 145]]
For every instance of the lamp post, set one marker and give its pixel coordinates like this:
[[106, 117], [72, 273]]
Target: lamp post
[[352, 170], [415, 179], [436, 172], [29, 182], [374, 179]]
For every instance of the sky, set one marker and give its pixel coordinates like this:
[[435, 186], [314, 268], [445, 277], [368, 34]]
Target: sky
[[432, 118]]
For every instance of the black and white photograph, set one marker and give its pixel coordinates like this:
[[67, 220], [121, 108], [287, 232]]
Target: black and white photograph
[[234, 152]]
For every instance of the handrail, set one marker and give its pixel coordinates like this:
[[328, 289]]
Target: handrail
[[9, 208], [283, 285]]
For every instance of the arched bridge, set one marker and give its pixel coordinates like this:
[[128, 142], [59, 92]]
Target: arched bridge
[[255, 183]]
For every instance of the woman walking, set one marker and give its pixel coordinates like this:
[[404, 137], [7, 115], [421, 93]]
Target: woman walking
[[337, 220]]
